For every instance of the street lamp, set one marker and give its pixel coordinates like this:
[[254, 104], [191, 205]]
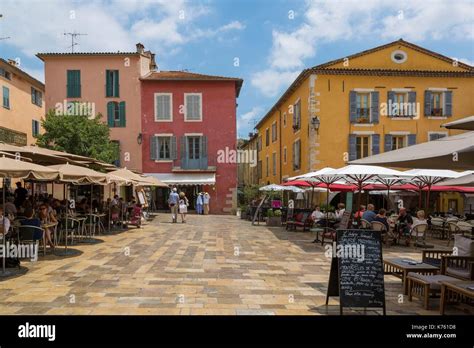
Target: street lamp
[[316, 122]]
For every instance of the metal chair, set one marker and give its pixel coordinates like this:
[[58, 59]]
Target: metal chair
[[437, 227], [452, 229], [465, 228], [365, 224], [379, 226], [35, 234]]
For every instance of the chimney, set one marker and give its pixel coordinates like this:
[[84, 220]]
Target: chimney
[[13, 62], [140, 48], [153, 65]]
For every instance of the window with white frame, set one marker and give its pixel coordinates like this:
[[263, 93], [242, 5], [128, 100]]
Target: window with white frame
[[193, 107], [274, 132], [164, 148], [398, 142], [163, 107]]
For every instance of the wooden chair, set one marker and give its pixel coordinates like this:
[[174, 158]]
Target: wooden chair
[[301, 220], [32, 234], [328, 233], [379, 226], [364, 224], [419, 233], [465, 228], [460, 265]]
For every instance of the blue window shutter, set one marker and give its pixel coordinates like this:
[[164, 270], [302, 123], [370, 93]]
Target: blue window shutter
[[375, 144], [184, 153], [448, 103], [412, 102], [411, 139], [352, 147], [153, 147], [353, 106], [427, 103], [123, 122], [173, 150], [110, 113], [374, 96], [388, 143], [390, 101]]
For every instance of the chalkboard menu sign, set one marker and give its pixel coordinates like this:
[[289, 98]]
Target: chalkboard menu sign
[[359, 272]]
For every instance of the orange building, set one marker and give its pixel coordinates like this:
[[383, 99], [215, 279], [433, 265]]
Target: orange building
[[22, 105]]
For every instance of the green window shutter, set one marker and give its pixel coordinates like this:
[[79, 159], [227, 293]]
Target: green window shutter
[[448, 103], [123, 122], [427, 103], [110, 113], [108, 83], [73, 83], [117, 84], [69, 84], [78, 83]]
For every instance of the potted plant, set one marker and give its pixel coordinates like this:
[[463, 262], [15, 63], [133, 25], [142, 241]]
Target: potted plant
[[243, 211], [273, 217]]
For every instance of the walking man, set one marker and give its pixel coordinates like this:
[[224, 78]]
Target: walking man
[[199, 203], [173, 204], [205, 199]]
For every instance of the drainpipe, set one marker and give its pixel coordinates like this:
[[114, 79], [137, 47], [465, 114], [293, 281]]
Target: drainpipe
[[280, 143]]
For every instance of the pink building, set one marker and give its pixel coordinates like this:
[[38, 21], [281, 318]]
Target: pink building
[[106, 83], [187, 119]]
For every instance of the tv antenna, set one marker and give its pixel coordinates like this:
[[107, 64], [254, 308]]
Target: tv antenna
[[6, 37], [73, 36]]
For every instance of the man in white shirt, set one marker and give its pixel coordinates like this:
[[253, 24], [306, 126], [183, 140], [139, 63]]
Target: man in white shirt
[[341, 208], [205, 200], [4, 224]]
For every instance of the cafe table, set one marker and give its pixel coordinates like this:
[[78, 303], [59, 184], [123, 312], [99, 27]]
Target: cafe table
[[400, 267]]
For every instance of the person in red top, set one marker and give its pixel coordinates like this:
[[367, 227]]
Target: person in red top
[[358, 214]]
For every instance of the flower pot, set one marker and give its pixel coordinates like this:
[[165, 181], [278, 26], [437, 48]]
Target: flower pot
[[274, 221]]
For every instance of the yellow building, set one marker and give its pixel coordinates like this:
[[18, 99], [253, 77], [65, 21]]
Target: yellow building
[[22, 105], [378, 100], [247, 167]]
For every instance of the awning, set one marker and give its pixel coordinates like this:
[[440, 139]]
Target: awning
[[466, 123], [185, 178]]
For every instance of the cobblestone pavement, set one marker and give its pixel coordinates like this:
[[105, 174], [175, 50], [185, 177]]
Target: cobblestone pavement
[[210, 265]]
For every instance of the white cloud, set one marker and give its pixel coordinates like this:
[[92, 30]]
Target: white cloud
[[270, 82], [244, 121], [464, 60], [36, 73]]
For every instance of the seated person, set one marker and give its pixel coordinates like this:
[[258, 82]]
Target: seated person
[[30, 220], [369, 214], [420, 218], [360, 212], [382, 217], [10, 208], [47, 217], [4, 223], [317, 214], [404, 223], [341, 208]]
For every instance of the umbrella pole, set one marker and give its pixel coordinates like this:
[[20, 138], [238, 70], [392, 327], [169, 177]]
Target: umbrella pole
[[3, 237], [358, 202], [91, 222], [388, 197], [428, 200], [110, 195]]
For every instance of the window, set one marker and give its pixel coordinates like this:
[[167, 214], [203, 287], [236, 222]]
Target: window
[[399, 56], [259, 143], [6, 97], [73, 84], [36, 97], [194, 147], [363, 107], [5, 74], [435, 136], [284, 119], [116, 114], [284, 155], [274, 132], [398, 142], [163, 107], [112, 83], [297, 155], [259, 169], [35, 128], [274, 163], [297, 116], [267, 137], [193, 107], [267, 166], [164, 148], [436, 103], [362, 146]]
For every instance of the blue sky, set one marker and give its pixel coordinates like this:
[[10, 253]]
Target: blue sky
[[272, 39]]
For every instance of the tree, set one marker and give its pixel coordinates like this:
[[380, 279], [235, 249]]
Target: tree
[[79, 135]]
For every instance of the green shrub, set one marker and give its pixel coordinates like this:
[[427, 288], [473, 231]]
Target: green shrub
[[277, 213], [270, 213]]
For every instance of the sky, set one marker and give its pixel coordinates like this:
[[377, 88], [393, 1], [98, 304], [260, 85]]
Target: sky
[[265, 42]]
